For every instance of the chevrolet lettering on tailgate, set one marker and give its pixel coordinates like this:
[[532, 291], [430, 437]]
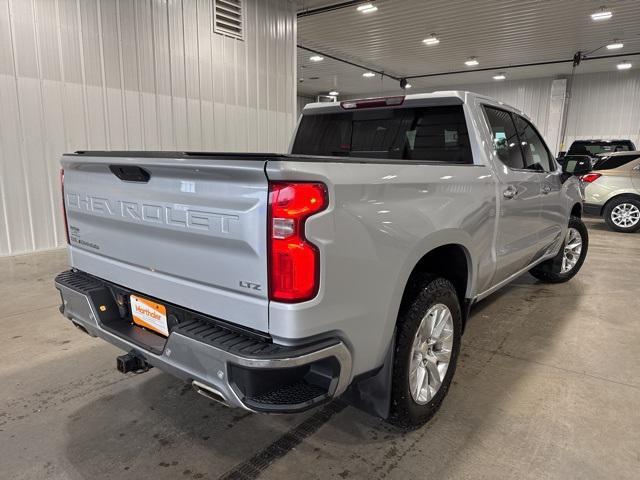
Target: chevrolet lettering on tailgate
[[174, 215]]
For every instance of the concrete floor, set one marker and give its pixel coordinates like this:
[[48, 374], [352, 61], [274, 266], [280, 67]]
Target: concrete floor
[[548, 386]]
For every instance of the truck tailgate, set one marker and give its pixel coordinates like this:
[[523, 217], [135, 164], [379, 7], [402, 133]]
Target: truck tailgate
[[194, 234]]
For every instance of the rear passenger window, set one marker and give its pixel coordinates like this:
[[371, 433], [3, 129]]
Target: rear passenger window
[[437, 134], [505, 138]]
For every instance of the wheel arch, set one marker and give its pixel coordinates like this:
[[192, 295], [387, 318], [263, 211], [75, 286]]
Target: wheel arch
[[447, 254], [451, 261], [618, 196], [576, 210]]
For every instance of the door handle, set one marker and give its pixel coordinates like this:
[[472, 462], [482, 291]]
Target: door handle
[[546, 189], [510, 192]]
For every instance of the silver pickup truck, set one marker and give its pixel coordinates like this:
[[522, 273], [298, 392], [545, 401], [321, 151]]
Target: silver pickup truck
[[346, 268]]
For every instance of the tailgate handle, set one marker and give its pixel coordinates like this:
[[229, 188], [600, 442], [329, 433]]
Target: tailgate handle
[[130, 173]]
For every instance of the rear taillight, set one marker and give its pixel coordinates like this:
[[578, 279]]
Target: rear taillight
[[64, 206], [590, 177], [294, 263]]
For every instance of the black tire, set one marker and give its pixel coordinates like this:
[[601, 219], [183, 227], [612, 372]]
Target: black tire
[[608, 210], [550, 271], [429, 291]]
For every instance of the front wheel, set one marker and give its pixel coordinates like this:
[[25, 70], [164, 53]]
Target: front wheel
[[567, 263], [427, 345]]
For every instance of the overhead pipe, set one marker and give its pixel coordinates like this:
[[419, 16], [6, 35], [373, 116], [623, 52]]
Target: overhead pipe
[[520, 65], [329, 8], [348, 62]]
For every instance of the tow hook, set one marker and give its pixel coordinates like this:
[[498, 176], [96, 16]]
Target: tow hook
[[132, 362]]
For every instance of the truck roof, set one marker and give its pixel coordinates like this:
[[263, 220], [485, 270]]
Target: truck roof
[[440, 97]]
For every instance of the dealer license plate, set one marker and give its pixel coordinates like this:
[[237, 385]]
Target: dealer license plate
[[149, 314]]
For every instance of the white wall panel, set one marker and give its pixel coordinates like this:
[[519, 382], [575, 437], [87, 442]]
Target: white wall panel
[[605, 105], [602, 105], [130, 74], [531, 96], [301, 101]]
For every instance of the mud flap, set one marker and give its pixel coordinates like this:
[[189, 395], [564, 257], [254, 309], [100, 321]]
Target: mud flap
[[372, 394]]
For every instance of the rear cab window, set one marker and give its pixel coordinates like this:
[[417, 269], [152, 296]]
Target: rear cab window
[[422, 134], [595, 147]]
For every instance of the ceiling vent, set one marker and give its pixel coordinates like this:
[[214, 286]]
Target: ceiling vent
[[228, 18]]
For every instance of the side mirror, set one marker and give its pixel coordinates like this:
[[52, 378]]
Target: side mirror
[[560, 158], [576, 165]]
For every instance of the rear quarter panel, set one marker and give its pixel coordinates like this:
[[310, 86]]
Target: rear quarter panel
[[382, 218]]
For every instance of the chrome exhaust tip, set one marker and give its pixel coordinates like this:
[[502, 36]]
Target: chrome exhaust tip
[[209, 392]]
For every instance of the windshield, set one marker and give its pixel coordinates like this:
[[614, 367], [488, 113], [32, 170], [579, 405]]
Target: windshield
[[437, 134], [594, 148]]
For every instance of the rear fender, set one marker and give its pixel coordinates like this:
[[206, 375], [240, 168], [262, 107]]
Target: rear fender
[[429, 243]]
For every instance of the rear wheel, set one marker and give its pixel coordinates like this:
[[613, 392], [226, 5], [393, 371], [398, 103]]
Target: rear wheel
[[623, 214], [427, 345], [567, 263]]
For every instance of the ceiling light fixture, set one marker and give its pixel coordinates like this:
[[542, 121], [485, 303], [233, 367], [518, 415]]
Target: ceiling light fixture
[[316, 58], [334, 93], [408, 85], [472, 62], [367, 8], [602, 14], [624, 65], [616, 45], [368, 74], [431, 40], [500, 76]]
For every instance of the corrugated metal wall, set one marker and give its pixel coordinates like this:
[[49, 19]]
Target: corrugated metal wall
[[602, 105], [303, 100], [531, 96], [605, 105], [130, 74]]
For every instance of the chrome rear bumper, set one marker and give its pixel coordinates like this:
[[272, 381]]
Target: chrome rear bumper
[[299, 378]]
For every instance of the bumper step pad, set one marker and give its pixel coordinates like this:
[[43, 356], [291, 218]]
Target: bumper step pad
[[297, 393]]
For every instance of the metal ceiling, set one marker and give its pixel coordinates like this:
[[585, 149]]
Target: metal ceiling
[[499, 33]]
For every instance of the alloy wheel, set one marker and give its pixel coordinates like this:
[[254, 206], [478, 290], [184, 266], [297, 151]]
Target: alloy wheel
[[431, 353], [625, 215], [572, 250]]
